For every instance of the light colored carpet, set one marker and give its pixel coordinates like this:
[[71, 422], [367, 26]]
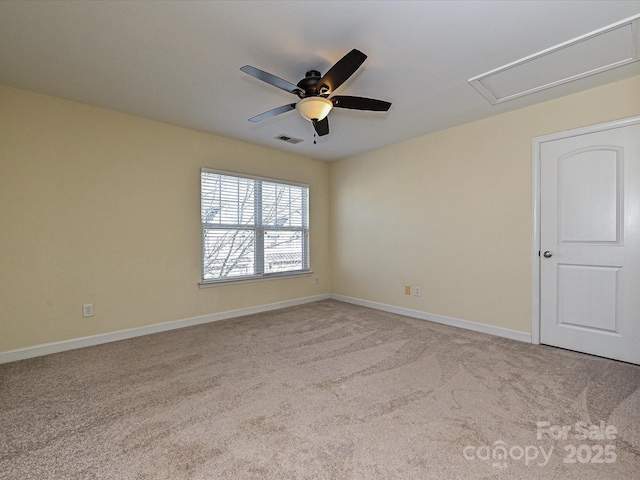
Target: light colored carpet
[[320, 391]]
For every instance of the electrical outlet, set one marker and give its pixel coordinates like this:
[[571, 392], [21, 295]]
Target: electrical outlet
[[317, 280], [417, 291], [87, 310], [407, 289]]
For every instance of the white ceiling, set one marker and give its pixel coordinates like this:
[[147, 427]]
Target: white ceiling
[[178, 62]]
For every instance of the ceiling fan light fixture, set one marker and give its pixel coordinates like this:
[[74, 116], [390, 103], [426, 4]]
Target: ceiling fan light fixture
[[314, 108]]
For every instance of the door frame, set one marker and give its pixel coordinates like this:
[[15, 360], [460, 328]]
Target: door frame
[[535, 250]]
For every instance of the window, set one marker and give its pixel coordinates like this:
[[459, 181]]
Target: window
[[252, 227]]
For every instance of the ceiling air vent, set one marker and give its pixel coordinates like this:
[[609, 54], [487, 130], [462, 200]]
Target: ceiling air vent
[[609, 47], [288, 139]]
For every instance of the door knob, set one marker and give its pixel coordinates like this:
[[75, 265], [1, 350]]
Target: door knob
[[547, 254]]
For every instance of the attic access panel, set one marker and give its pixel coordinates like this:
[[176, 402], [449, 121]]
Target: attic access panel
[[610, 47]]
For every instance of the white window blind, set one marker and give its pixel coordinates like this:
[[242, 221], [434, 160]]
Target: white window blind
[[252, 227]]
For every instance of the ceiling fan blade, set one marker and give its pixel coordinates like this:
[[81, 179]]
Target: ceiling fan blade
[[360, 103], [321, 126], [273, 113], [341, 71], [271, 79]]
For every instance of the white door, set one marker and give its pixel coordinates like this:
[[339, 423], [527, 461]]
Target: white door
[[590, 243]]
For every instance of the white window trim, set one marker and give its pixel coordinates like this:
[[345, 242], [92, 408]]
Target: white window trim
[[254, 278]]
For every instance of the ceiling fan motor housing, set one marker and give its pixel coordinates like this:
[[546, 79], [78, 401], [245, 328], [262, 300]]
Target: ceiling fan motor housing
[[308, 84]]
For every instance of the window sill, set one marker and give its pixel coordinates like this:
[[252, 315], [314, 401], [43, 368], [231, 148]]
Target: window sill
[[234, 281]]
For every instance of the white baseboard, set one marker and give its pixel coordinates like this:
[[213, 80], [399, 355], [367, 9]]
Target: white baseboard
[[454, 322], [63, 346]]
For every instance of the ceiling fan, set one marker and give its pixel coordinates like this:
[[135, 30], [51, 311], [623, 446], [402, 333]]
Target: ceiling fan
[[314, 91]]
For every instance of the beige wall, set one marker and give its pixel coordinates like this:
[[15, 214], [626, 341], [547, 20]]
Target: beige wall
[[452, 212], [101, 207]]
